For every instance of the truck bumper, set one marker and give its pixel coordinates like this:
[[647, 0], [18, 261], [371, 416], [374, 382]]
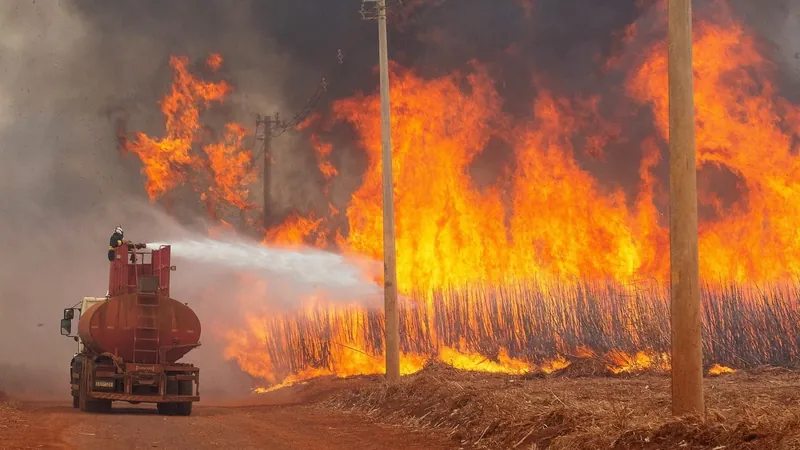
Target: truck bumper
[[145, 398]]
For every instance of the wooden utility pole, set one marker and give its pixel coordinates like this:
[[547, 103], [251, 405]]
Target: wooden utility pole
[[687, 348], [268, 126], [389, 255], [392, 336]]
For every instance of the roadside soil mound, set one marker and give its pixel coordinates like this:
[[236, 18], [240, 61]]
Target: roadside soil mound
[[560, 412]]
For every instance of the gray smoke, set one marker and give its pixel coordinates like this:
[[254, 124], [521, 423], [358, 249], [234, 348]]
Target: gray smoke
[[779, 25], [789, 38], [74, 72], [68, 70]]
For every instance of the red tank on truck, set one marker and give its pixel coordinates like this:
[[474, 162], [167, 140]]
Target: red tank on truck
[[130, 342]]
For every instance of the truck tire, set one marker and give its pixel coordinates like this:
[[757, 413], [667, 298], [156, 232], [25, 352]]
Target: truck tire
[[166, 409], [184, 408], [169, 409], [101, 406], [74, 366], [85, 403], [83, 392]]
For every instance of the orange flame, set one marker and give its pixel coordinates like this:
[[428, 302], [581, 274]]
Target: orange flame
[[738, 116], [295, 231], [447, 231], [562, 223], [464, 359], [230, 167], [323, 152], [167, 161], [548, 220], [622, 362], [214, 61], [717, 369]]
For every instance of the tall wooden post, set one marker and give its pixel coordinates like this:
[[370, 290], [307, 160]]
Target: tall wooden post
[[268, 124], [389, 256], [687, 349]]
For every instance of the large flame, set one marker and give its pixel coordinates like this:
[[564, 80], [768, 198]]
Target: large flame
[[168, 161], [745, 128], [447, 231], [548, 261]]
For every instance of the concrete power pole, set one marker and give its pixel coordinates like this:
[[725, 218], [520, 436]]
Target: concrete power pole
[[389, 256], [687, 348]]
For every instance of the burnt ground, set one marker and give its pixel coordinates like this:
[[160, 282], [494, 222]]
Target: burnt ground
[[440, 408], [569, 410]]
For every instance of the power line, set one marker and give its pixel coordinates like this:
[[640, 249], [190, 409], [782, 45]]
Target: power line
[[372, 13], [270, 127], [277, 127], [280, 126]]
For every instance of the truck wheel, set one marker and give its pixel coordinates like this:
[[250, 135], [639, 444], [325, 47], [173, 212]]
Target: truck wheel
[[169, 409], [183, 409], [83, 392], [100, 406], [166, 409], [184, 388], [85, 403]]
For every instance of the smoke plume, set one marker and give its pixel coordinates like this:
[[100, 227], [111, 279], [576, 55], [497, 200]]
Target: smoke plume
[[77, 73], [72, 74]]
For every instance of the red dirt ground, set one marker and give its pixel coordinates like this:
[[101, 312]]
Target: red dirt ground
[[439, 408], [284, 420]]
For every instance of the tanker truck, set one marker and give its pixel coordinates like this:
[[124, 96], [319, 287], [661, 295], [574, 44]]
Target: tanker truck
[[130, 342]]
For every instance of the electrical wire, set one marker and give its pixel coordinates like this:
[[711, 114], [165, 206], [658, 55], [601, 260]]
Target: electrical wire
[[279, 127]]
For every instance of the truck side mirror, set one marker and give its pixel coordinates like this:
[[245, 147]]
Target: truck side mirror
[[69, 314], [173, 268], [66, 327]]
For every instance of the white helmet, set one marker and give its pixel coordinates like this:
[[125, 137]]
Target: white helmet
[[118, 229]]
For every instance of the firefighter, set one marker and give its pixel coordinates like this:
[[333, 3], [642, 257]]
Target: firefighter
[[117, 239]]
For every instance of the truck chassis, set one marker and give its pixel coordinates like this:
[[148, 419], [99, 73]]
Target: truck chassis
[[97, 380]]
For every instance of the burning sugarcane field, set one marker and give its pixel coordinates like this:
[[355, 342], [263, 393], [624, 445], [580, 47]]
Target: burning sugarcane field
[[552, 291]]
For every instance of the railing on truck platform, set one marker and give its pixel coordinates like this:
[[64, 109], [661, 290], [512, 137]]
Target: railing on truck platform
[[140, 270]]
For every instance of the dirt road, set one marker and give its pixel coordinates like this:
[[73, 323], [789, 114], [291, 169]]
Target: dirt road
[[569, 409], [275, 427]]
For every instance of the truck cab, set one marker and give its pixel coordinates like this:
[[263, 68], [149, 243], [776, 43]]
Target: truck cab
[[74, 313]]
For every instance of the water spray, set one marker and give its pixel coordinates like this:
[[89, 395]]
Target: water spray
[[306, 266]]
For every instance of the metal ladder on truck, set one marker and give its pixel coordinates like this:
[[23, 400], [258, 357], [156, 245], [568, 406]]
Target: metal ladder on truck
[[146, 334]]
